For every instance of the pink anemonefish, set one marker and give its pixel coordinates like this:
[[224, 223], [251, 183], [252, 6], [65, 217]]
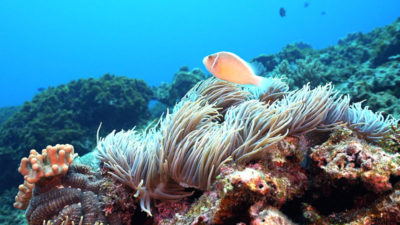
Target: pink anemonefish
[[230, 67]]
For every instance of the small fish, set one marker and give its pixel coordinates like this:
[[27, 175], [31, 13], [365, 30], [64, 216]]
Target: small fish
[[306, 4], [40, 89], [323, 13], [282, 12], [230, 67]]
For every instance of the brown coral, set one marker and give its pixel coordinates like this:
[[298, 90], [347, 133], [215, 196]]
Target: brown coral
[[75, 196], [58, 192]]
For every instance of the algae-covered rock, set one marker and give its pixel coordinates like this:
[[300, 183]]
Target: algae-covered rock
[[291, 53], [184, 79]]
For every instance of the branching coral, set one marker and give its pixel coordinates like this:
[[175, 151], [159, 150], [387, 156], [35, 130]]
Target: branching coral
[[53, 161]]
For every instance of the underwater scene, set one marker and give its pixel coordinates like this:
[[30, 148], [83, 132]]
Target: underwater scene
[[256, 112]]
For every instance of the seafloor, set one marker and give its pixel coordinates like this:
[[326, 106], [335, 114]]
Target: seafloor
[[301, 151]]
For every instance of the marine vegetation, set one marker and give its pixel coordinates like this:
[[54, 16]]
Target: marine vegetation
[[71, 113], [227, 154]]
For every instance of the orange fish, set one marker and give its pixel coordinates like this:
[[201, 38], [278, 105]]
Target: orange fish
[[230, 67]]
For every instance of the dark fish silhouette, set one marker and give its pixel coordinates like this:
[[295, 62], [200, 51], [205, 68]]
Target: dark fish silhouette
[[40, 89], [323, 13], [306, 4], [282, 12]]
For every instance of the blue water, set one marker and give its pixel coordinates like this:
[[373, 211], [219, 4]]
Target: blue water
[[47, 43]]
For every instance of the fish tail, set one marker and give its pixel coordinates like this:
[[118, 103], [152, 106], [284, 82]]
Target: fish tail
[[258, 80], [263, 84]]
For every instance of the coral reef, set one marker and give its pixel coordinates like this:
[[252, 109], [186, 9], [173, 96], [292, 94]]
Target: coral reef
[[349, 158], [366, 66], [182, 82], [227, 154], [58, 192], [71, 113]]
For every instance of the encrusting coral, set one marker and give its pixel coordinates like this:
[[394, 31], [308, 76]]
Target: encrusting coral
[[218, 122]]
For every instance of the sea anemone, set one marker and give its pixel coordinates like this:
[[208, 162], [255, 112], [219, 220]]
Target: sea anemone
[[372, 126], [217, 122], [308, 107]]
